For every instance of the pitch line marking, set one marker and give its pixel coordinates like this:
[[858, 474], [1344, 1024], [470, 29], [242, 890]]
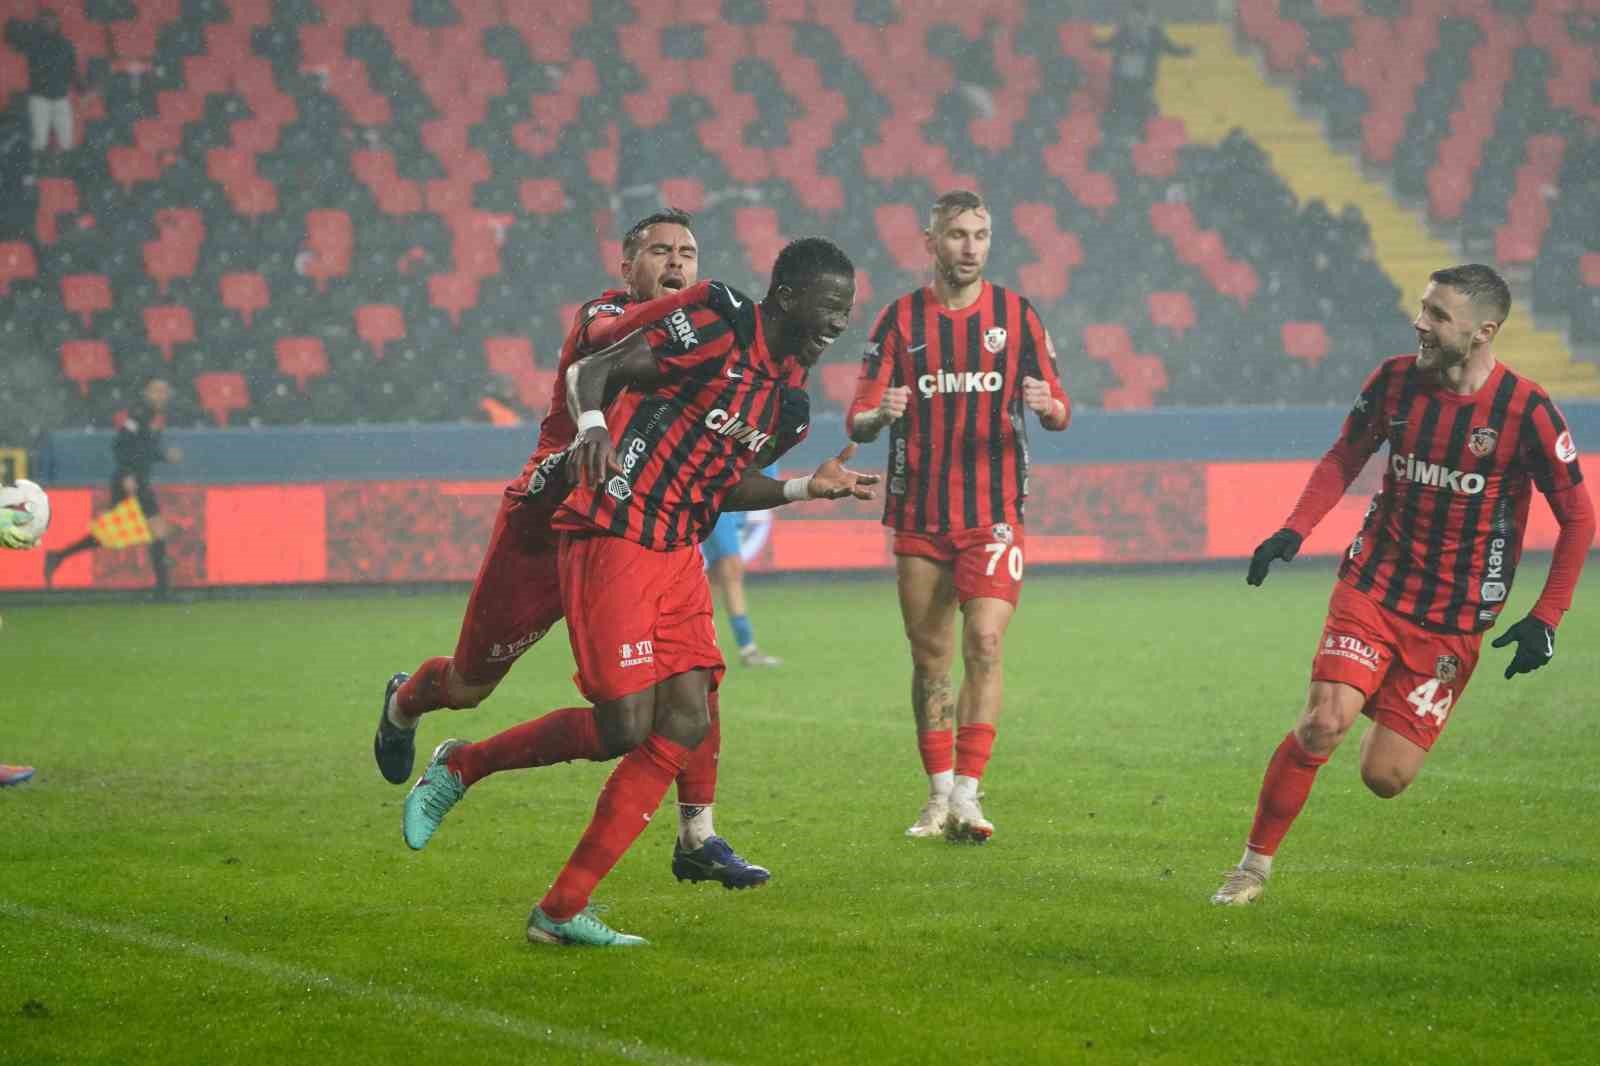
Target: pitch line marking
[[393, 999]]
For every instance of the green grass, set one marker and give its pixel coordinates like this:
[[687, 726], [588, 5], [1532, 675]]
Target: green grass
[[208, 867]]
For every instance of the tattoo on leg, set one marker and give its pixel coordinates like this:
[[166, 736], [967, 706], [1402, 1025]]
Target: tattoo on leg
[[932, 702]]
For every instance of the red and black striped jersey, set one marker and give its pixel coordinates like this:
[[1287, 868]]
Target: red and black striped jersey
[[958, 458], [1443, 536], [684, 444]]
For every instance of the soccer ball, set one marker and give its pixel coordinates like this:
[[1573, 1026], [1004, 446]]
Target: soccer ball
[[29, 517]]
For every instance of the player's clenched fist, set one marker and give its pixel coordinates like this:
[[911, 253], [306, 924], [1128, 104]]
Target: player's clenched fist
[[894, 402], [1036, 395]]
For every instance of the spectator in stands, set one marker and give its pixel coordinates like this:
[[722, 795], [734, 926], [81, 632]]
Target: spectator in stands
[[52, 74], [1136, 50]]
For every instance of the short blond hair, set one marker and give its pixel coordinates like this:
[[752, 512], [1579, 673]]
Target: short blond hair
[[952, 204]]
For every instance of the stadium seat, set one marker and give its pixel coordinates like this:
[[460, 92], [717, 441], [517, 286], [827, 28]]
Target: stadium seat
[[301, 358], [378, 324], [1106, 341], [56, 196], [1172, 310], [221, 393], [86, 361], [245, 293], [166, 326], [543, 196], [839, 382], [1305, 341], [453, 294], [901, 233], [509, 356], [131, 164], [86, 294], [17, 263]]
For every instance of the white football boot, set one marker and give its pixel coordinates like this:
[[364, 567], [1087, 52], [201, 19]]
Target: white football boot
[[967, 821], [1243, 885], [934, 817]]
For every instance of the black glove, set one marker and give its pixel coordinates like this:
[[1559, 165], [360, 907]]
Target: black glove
[[794, 421], [736, 309], [1536, 645], [1283, 544]]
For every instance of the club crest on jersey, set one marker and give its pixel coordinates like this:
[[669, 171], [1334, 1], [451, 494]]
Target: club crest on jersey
[[1002, 533], [1566, 451], [1445, 668], [1356, 546], [994, 339], [618, 488], [1482, 441]]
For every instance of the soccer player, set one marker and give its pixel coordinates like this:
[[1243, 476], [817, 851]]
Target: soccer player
[[651, 474], [516, 597], [1431, 566], [951, 370], [136, 449]]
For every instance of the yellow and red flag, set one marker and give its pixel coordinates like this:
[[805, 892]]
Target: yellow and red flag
[[121, 527]]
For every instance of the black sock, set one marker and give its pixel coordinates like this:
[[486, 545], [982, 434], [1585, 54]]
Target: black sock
[[158, 563]]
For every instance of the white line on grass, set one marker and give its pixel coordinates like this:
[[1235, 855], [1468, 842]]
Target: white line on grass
[[393, 999]]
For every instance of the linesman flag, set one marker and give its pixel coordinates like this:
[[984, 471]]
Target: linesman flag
[[121, 527]]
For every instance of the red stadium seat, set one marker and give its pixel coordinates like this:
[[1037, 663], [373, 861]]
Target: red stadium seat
[[839, 382], [453, 294], [543, 196], [687, 194], [17, 263], [1306, 341], [511, 356], [302, 358], [378, 324], [901, 232], [1172, 310], [1588, 269], [85, 294], [1106, 341], [245, 293], [86, 361], [221, 393], [130, 163], [166, 326], [56, 196]]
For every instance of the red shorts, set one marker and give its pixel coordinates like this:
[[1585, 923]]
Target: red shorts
[[1411, 676], [636, 617], [517, 595], [988, 561]]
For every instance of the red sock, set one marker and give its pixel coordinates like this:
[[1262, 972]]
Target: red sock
[[937, 746], [697, 785], [424, 691], [560, 736], [1284, 789], [630, 796], [973, 744]]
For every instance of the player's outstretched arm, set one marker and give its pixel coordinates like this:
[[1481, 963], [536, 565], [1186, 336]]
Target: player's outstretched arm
[[629, 362], [830, 481], [1284, 544], [1536, 645], [1535, 635]]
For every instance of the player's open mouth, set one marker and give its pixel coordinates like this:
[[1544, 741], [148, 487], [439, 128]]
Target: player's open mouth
[[673, 282]]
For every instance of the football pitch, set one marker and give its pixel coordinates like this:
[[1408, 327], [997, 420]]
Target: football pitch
[[208, 867]]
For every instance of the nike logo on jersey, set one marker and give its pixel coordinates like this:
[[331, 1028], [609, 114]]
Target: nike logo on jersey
[[915, 348], [735, 375], [732, 299]]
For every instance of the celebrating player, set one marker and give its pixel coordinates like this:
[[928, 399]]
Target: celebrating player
[[702, 398], [517, 597], [1432, 564], [949, 370]]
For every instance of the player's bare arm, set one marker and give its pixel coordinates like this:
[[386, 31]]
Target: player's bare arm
[[629, 363], [865, 427], [830, 481]]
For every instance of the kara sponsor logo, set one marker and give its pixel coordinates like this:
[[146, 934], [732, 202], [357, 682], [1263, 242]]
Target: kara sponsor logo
[[681, 329], [951, 381], [1352, 648], [499, 653], [1493, 589], [620, 487], [736, 428], [1566, 451], [897, 468], [1422, 472], [994, 339], [637, 653]]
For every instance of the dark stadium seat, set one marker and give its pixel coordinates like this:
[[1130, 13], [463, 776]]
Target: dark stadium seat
[[84, 361], [220, 393], [167, 326]]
